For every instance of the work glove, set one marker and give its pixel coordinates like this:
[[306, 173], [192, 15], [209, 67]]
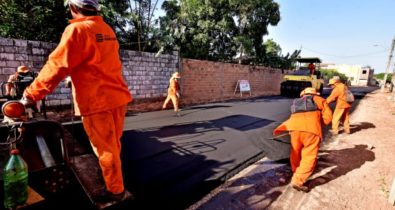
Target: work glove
[[27, 102], [67, 82]]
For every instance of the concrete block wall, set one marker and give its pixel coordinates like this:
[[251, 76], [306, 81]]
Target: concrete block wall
[[206, 81], [146, 74]]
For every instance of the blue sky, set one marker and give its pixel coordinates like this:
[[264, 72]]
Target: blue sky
[[337, 31]]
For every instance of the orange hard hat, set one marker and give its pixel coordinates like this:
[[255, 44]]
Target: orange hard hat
[[310, 91], [22, 69]]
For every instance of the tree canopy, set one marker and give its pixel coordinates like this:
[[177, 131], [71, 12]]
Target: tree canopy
[[217, 30], [32, 19]]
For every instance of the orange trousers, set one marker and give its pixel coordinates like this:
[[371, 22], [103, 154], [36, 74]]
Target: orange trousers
[[341, 115], [174, 100], [104, 130], [304, 152]]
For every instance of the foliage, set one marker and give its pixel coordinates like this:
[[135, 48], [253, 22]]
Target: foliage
[[32, 19], [219, 30], [252, 19], [380, 76], [330, 73], [274, 58], [134, 23]]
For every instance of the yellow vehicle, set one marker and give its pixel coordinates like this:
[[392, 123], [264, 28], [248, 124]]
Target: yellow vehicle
[[306, 74]]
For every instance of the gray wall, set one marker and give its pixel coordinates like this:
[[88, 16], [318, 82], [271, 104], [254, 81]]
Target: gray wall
[[147, 75]]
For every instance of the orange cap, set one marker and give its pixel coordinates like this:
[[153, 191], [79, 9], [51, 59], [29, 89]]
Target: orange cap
[[22, 69]]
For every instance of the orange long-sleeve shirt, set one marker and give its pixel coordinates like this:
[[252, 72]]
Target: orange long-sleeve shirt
[[174, 87], [308, 121], [339, 94], [89, 52]]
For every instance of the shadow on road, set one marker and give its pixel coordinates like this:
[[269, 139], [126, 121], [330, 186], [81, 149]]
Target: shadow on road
[[339, 163], [361, 126]]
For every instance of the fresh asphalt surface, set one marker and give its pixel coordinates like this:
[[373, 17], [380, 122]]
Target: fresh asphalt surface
[[173, 161]]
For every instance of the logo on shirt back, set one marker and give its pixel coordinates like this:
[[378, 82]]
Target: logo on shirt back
[[104, 37]]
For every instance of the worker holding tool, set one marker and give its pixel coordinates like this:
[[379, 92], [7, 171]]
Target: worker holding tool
[[89, 52], [23, 77], [173, 93], [342, 109], [305, 129]]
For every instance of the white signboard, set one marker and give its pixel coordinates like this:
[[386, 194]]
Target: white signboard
[[244, 86]]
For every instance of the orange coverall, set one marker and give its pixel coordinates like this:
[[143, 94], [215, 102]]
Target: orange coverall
[[342, 110], [306, 135], [312, 68], [89, 52], [174, 87]]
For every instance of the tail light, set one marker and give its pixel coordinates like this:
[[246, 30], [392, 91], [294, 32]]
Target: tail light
[[13, 109]]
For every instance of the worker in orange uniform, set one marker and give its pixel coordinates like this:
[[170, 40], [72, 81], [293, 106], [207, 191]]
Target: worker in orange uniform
[[173, 93], [342, 110], [312, 68], [89, 52], [23, 76], [306, 135]]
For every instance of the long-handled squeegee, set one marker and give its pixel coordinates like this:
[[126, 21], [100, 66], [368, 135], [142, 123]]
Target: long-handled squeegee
[[44, 152]]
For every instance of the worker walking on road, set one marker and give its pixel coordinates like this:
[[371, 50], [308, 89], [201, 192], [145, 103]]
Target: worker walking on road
[[89, 52], [173, 93], [342, 110], [306, 135]]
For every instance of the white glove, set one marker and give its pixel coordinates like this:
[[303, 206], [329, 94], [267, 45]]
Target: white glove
[[68, 82], [27, 102], [178, 95]]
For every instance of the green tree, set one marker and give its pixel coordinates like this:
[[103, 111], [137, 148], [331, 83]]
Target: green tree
[[274, 57], [219, 30], [330, 73], [380, 76], [199, 29], [253, 17], [32, 19], [134, 23]]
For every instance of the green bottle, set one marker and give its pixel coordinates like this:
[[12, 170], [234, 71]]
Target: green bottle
[[15, 176]]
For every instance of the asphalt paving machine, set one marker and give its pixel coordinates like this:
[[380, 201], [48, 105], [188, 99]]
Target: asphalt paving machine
[[302, 77]]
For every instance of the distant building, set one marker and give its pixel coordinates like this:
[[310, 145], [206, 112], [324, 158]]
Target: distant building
[[358, 75]]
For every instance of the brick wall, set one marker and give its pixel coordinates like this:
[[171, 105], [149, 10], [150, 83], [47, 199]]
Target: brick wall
[[205, 81], [147, 75]]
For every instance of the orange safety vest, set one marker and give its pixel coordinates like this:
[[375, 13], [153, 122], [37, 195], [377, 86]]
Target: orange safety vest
[[339, 94], [308, 121], [89, 52]]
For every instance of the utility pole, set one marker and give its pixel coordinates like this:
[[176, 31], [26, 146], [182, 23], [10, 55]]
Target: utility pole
[[392, 85], [388, 65]]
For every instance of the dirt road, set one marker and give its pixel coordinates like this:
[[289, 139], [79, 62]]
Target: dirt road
[[354, 171]]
